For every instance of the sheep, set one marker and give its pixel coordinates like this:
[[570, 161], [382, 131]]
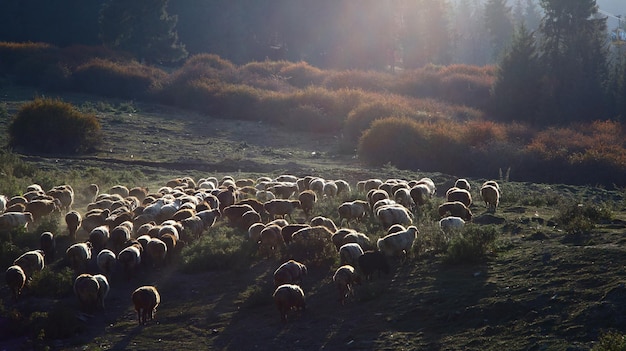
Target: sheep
[[375, 195], [290, 272], [194, 226], [103, 289], [18, 199], [288, 297], [349, 254], [372, 261], [118, 236], [227, 197], [462, 195], [73, 220], [389, 215], [288, 231], [65, 195], [255, 204], [456, 209], [87, 289], [157, 251], [371, 184], [234, 213], [183, 213], [47, 244], [78, 256], [15, 220], [264, 195], [284, 190], [420, 194], [15, 279], [209, 217], [105, 261], [93, 219], [462, 183], [430, 184], [317, 185], [119, 190], [307, 199], [324, 221], [254, 232], [171, 242], [281, 222], [343, 187], [281, 207], [493, 183], [146, 299], [356, 210], [42, 207], [139, 192], [129, 259], [403, 197], [491, 196], [345, 278], [271, 239], [338, 236], [450, 225], [31, 262], [396, 228], [398, 244], [99, 237], [359, 238], [170, 227], [330, 189]]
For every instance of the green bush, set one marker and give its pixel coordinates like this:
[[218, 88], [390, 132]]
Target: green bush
[[50, 283], [220, 249], [576, 218], [472, 245], [611, 341], [49, 126]]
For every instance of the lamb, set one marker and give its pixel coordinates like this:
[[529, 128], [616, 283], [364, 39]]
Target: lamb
[[398, 244], [31, 262], [281, 207], [290, 272], [106, 261], [73, 220], [146, 299], [307, 199], [42, 207], [87, 289], [15, 279], [47, 244], [288, 297], [345, 278], [451, 224], [389, 215], [271, 239], [78, 256], [373, 261], [15, 220], [349, 254], [324, 221], [462, 195], [356, 210], [103, 289], [456, 209], [491, 197]]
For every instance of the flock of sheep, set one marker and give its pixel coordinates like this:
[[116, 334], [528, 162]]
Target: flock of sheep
[[128, 229]]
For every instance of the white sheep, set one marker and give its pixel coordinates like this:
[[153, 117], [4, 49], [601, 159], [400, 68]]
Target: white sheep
[[451, 224], [356, 210], [31, 262], [281, 207], [15, 220], [430, 184], [491, 196], [103, 288], [78, 256], [399, 243], [106, 261], [349, 254], [389, 215], [457, 194]]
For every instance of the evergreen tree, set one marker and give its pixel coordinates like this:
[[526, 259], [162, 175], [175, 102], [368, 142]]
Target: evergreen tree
[[499, 24], [143, 28], [425, 36], [575, 56]]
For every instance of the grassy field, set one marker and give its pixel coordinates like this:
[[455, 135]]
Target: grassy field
[[551, 280]]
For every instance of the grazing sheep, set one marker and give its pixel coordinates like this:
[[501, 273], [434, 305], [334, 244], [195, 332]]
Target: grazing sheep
[[376, 195], [254, 232], [73, 220], [359, 238], [430, 184], [338, 236], [451, 224], [349, 254], [227, 197], [129, 259], [42, 207], [86, 289], [31, 262], [99, 237], [356, 210], [103, 289], [120, 190], [345, 278], [14, 220], [420, 194], [78, 256], [461, 195], [94, 218], [290, 272], [288, 297], [281, 207], [146, 299], [264, 195], [462, 183], [317, 185], [157, 251], [324, 221], [398, 244], [119, 236], [343, 187], [106, 261], [284, 190], [288, 231], [15, 279], [330, 189], [373, 261], [307, 199], [271, 240], [312, 233], [491, 197], [371, 184], [47, 244], [456, 209], [209, 217], [389, 215], [403, 197]]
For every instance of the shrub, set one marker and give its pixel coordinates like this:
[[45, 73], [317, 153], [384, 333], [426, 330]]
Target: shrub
[[576, 218], [358, 79], [219, 250], [46, 126], [17, 58], [301, 74], [50, 283], [472, 245], [610, 341]]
